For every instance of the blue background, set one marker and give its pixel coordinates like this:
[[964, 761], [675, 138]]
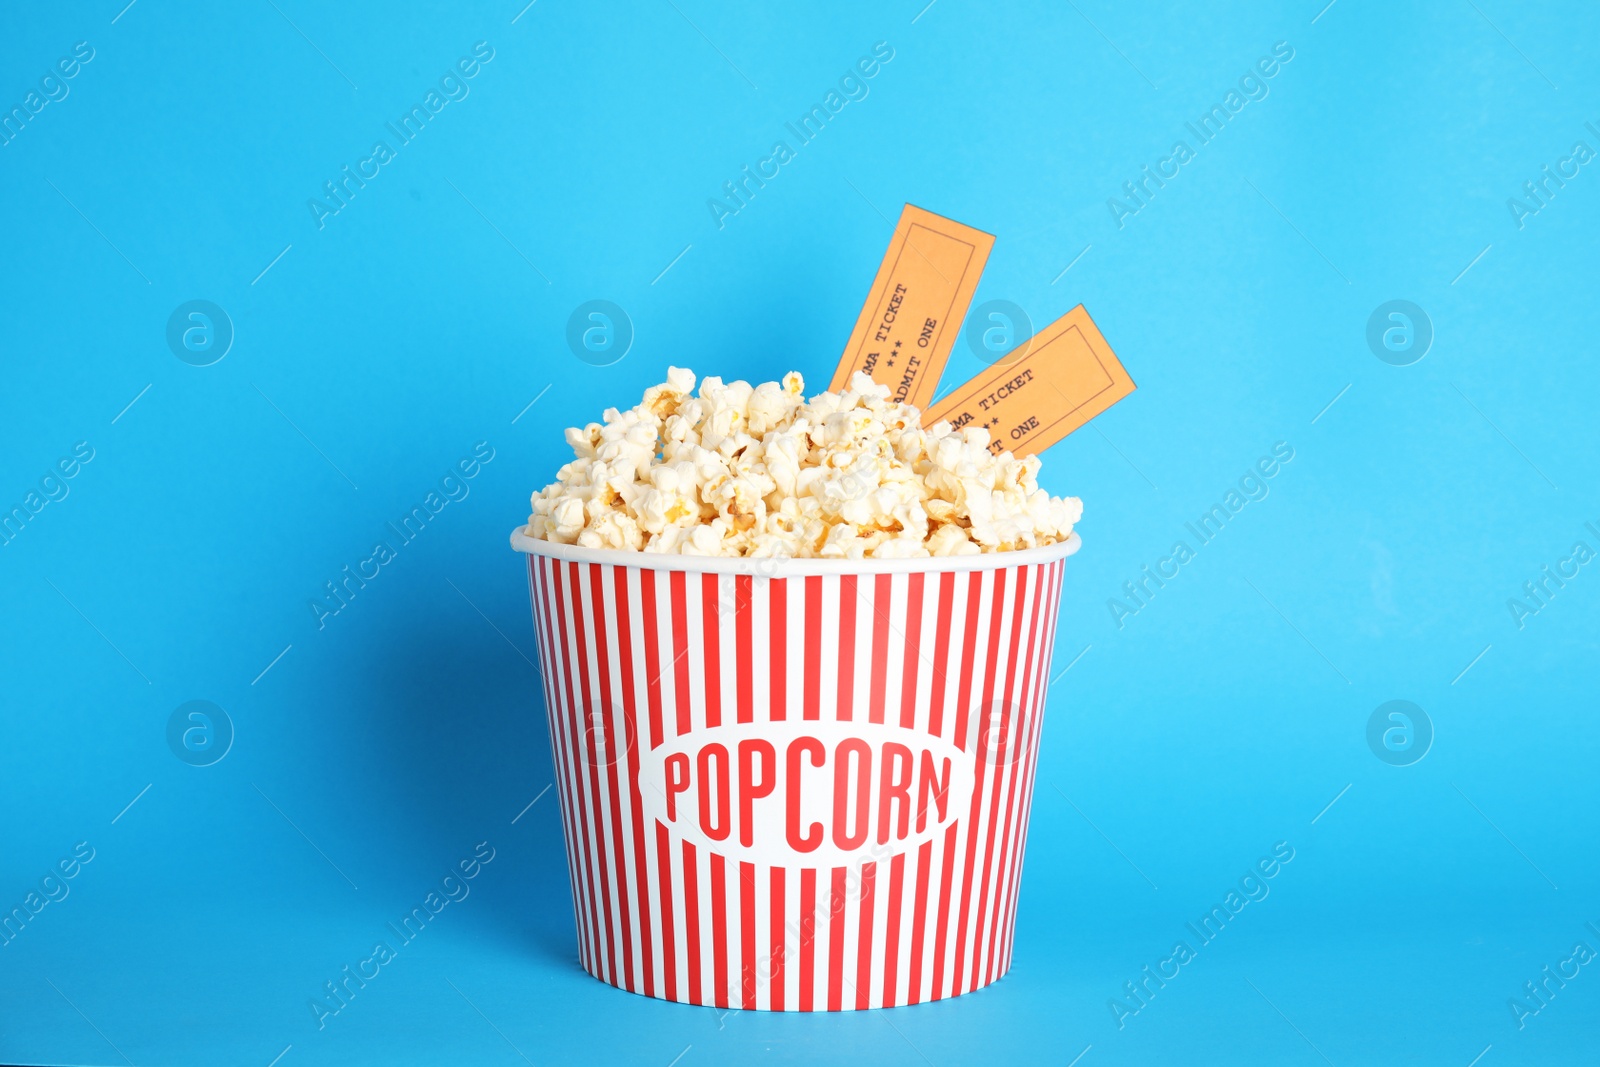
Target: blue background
[[374, 352]]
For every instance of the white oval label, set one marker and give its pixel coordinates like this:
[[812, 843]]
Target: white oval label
[[806, 793]]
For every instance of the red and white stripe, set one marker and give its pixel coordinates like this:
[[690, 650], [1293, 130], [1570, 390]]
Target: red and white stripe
[[636, 657]]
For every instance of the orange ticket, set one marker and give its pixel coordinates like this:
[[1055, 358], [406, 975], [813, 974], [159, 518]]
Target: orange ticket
[[914, 310], [1048, 387]]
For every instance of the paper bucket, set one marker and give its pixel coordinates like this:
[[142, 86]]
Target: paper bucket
[[794, 785]]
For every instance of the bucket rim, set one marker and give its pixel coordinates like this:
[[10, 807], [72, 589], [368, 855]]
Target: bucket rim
[[771, 567]]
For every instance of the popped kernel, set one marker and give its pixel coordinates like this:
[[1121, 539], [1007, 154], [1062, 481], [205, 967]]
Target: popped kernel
[[737, 470]]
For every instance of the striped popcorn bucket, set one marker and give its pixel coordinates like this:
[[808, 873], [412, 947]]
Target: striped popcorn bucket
[[794, 785]]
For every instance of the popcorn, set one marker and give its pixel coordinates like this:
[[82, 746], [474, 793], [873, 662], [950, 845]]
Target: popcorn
[[761, 471]]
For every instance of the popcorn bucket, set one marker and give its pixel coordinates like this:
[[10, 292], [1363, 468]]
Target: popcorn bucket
[[794, 785]]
